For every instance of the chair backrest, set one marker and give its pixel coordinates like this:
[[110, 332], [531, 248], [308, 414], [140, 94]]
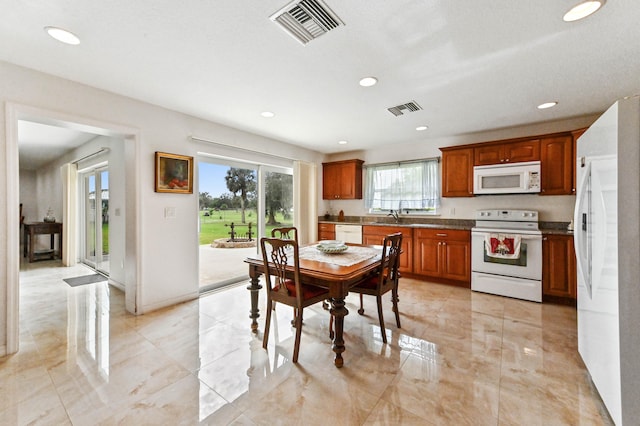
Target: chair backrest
[[285, 233], [280, 256], [391, 248]]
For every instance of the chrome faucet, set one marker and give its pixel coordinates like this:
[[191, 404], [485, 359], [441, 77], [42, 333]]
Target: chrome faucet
[[395, 215]]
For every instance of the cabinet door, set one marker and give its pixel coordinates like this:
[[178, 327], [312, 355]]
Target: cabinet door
[[556, 166], [456, 259], [347, 178], [426, 257], [517, 152], [457, 173], [558, 266], [330, 181], [372, 240], [342, 180], [490, 154], [406, 258]]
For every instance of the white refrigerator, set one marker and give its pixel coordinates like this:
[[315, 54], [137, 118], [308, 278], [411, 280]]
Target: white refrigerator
[[607, 241]]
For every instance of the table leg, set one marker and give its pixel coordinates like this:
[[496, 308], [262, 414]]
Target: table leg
[[31, 244], [339, 311], [254, 288]]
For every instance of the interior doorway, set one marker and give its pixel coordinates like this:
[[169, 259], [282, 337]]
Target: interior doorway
[[126, 160]]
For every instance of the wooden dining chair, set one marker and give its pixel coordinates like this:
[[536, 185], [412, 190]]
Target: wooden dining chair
[[285, 233], [282, 264], [385, 279]]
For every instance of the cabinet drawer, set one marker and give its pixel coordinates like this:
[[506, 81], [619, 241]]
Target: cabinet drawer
[[326, 227], [443, 234], [386, 230]]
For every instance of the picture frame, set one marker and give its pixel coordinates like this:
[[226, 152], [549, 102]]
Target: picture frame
[[173, 173]]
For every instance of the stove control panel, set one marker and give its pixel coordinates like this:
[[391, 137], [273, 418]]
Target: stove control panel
[[507, 215]]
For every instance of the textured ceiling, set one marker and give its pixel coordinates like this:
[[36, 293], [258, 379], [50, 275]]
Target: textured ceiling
[[471, 66]]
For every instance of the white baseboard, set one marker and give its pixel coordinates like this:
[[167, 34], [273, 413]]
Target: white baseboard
[[117, 284], [169, 302]]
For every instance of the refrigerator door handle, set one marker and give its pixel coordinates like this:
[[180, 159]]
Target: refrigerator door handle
[[582, 216]]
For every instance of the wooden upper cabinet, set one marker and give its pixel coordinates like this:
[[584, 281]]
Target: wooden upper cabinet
[[457, 172], [507, 152], [557, 169], [342, 180]]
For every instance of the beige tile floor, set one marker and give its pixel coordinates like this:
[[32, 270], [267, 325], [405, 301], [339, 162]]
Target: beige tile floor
[[461, 358]]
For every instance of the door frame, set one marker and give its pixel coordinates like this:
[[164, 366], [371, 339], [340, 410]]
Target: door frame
[[15, 112]]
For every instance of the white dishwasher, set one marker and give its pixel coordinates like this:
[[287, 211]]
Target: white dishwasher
[[349, 233]]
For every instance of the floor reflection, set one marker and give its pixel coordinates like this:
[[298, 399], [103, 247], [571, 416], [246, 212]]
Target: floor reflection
[[88, 328]]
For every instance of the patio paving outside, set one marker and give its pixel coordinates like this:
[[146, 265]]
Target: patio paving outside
[[220, 265]]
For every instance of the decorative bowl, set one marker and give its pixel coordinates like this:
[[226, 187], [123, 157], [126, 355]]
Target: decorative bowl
[[331, 243], [332, 247]]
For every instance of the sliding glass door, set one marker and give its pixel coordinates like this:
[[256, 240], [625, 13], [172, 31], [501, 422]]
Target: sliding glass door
[[95, 218], [238, 204]]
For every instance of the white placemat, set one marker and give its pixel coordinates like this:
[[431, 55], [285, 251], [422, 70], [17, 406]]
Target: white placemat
[[350, 257]]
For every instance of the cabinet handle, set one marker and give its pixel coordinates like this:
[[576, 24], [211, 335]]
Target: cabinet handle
[[502, 160], [544, 238], [507, 160], [441, 235]]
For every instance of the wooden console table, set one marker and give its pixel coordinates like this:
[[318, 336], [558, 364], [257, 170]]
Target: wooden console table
[[42, 228]]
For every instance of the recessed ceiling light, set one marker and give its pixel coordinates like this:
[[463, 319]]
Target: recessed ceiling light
[[421, 128], [267, 114], [342, 142], [62, 35], [368, 81], [547, 105], [582, 10]]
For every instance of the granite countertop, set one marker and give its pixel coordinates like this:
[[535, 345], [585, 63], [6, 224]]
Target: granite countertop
[[552, 231], [547, 228], [461, 224]]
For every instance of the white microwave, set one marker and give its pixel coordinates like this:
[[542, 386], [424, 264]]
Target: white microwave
[[516, 178]]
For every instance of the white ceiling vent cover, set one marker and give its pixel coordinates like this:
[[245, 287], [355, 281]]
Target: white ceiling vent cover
[[306, 20], [404, 108]]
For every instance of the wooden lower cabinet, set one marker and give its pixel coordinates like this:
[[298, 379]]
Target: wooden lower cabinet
[[558, 268], [374, 235], [326, 231], [443, 254]]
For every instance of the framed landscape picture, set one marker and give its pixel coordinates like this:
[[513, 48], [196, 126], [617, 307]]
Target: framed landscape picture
[[174, 173]]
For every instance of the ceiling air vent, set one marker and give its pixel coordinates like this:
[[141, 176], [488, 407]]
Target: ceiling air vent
[[306, 20], [404, 108]]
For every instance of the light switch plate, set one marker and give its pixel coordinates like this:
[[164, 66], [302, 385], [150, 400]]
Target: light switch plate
[[169, 212]]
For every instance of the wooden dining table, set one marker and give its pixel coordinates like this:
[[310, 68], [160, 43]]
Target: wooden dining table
[[330, 271]]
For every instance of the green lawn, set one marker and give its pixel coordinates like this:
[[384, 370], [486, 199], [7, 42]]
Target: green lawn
[[213, 227]]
